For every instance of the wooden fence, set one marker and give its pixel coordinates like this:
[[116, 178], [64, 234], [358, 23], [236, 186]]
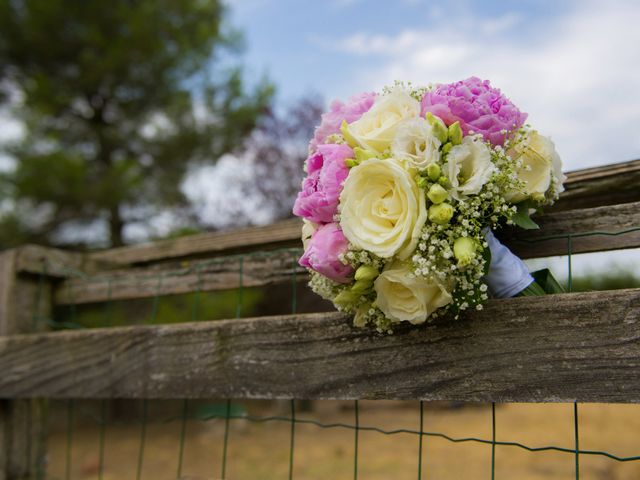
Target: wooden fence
[[573, 347]]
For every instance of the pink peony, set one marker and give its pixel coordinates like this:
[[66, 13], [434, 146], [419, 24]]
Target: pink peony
[[326, 172], [477, 106], [338, 111], [323, 252]]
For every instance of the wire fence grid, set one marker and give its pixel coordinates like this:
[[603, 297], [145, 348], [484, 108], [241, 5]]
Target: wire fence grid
[[69, 318]]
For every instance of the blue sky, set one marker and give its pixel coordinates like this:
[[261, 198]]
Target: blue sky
[[292, 40], [574, 66]]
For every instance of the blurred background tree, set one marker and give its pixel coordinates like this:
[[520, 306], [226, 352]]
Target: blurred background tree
[[259, 183], [118, 99]]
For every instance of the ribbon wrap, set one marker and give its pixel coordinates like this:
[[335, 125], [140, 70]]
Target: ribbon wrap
[[508, 275]]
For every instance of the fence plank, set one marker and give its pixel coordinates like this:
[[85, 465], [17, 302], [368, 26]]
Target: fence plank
[[278, 266], [36, 259], [598, 186], [572, 347], [598, 229], [281, 234], [592, 187], [258, 269], [21, 421]]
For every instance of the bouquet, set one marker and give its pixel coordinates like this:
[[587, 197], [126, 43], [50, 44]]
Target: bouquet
[[402, 191]]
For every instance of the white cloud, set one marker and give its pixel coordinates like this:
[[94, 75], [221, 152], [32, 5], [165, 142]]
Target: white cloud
[[216, 194], [11, 129], [577, 74]]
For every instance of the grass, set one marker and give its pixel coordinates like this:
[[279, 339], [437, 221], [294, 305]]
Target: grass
[[261, 450]]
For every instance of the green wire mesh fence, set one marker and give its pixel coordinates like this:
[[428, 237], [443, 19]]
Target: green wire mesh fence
[[422, 437], [229, 411]]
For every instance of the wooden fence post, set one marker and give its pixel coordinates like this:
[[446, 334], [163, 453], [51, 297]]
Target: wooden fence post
[[23, 299]]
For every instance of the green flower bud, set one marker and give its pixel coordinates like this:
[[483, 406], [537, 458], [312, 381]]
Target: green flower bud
[[350, 162], [433, 171], [346, 298], [438, 127], [344, 129], [422, 182], [437, 194], [362, 154], [446, 148], [366, 272], [444, 181], [464, 249], [538, 197], [359, 319], [441, 213], [455, 133], [361, 286]]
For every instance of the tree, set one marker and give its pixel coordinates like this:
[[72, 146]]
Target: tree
[[263, 178], [280, 147], [118, 99]]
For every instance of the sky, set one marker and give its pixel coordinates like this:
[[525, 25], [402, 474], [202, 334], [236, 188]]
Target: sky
[[573, 66]]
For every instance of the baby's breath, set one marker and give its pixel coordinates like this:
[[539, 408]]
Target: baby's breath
[[435, 256]]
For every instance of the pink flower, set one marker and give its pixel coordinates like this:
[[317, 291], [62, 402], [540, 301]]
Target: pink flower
[[323, 252], [478, 108], [338, 111], [326, 172]]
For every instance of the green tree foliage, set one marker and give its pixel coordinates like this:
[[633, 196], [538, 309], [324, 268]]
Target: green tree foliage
[[118, 99], [613, 279]]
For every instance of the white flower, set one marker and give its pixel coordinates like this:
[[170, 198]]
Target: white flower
[[376, 129], [308, 229], [469, 167], [382, 208], [541, 167], [416, 143], [403, 296]]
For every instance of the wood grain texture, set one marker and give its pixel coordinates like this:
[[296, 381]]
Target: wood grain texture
[[7, 274], [591, 187], [22, 450], [599, 186], [571, 347], [281, 234], [278, 266], [252, 270], [7, 292], [56, 263], [617, 227]]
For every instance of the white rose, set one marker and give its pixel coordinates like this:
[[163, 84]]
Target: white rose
[[308, 229], [541, 167], [469, 167], [416, 143], [382, 209], [403, 296], [376, 129], [556, 163]]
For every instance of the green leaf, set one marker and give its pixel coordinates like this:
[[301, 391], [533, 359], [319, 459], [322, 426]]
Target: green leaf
[[544, 283], [547, 281], [533, 290], [522, 218], [486, 255]]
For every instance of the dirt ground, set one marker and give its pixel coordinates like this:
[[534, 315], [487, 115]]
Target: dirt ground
[[261, 450]]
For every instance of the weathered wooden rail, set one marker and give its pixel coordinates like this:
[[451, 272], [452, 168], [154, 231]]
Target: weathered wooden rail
[[570, 347], [258, 270], [583, 347]]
